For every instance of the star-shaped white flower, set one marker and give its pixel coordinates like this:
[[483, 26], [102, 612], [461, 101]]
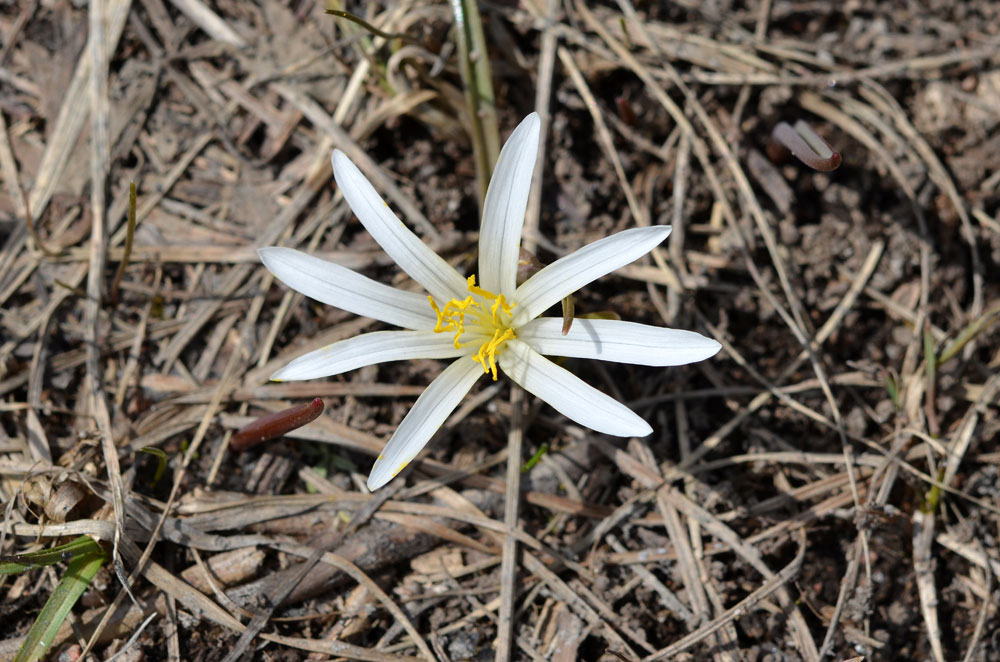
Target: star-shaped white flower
[[480, 324]]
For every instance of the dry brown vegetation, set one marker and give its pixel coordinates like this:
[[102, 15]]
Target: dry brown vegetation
[[827, 487]]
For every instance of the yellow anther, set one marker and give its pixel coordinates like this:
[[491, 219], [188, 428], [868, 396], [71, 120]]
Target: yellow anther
[[486, 294]]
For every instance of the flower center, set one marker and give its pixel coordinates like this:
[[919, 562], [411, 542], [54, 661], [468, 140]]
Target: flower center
[[481, 318]]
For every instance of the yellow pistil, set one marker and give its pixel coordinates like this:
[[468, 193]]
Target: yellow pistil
[[488, 323]]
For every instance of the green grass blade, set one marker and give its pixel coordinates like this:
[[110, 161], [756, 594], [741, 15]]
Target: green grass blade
[[972, 330], [78, 576], [535, 459], [930, 361], [31, 560], [161, 464], [371, 28], [480, 101]]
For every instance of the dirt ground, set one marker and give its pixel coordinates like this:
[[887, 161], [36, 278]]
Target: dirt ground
[[825, 488]]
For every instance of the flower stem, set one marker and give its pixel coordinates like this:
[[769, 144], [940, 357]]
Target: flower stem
[[474, 65]]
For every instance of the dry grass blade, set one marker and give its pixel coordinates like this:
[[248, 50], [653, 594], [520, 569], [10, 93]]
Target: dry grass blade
[[8, 166], [638, 214], [343, 141], [673, 500], [774, 583], [346, 566], [543, 93], [100, 15], [512, 509], [210, 22], [983, 615], [880, 97], [923, 537], [582, 606], [314, 179]]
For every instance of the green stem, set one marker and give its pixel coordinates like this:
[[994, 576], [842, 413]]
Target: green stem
[[474, 65]]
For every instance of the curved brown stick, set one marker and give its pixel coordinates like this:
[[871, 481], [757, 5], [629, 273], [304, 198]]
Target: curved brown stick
[[274, 425], [31, 227], [806, 145]]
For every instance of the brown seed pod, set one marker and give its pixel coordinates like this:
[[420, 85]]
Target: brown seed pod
[[275, 425], [806, 145]]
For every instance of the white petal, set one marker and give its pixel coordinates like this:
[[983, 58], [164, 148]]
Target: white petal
[[568, 394], [411, 254], [568, 274], [369, 349], [339, 286], [611, 340], [423, 420], [503, 210]]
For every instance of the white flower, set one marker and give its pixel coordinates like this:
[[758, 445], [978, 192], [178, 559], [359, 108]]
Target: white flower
[[480, 324]]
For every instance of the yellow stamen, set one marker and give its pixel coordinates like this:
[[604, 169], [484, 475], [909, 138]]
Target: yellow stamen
[[486, 294], [486, 317], [452, 318], [500, 304], [487, 354]]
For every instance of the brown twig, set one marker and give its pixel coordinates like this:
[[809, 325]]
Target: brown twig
[[129, 234], [31, 227]]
